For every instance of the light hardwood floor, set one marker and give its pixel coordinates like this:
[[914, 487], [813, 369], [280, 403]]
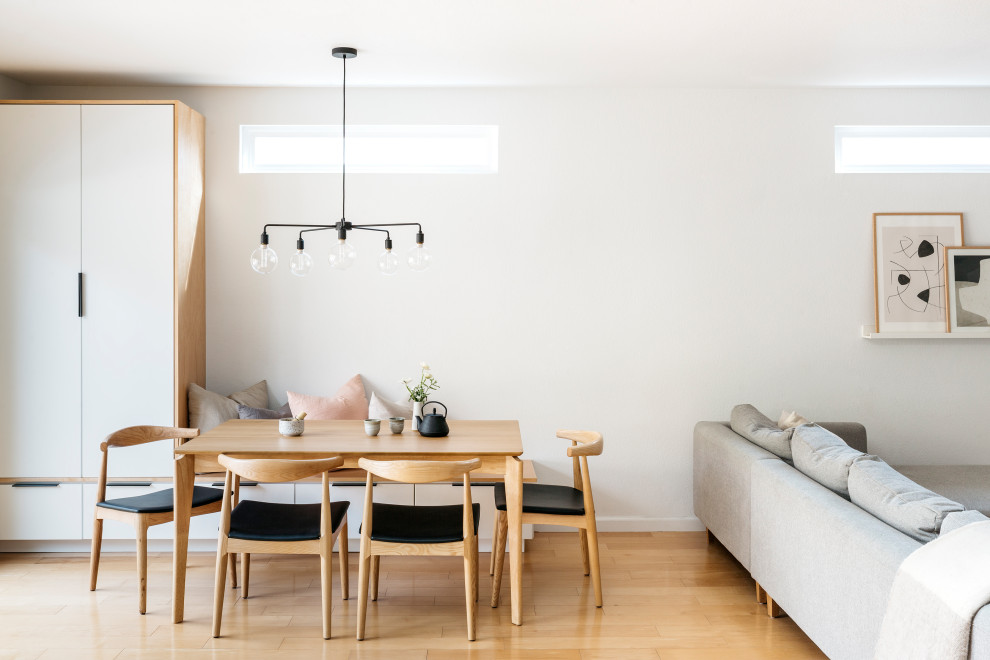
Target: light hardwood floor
[[667, 595]]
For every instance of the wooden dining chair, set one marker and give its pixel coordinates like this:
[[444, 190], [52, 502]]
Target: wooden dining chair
[[399, 529], [545, 504], [141, 511], [275, 528]]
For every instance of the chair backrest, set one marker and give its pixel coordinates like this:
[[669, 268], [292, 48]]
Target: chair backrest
[[419, 472], [278, 469], [133, 436], [583, 444]]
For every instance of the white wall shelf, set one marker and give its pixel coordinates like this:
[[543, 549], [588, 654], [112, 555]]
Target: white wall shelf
[[869, 332]]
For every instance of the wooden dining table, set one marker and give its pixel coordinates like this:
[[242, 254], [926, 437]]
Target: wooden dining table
[[497, 443]]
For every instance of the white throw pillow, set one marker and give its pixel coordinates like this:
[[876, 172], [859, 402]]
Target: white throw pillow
[[379, 408], [789, 420]]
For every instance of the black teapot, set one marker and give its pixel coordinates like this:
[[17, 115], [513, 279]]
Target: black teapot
[[433, 425]]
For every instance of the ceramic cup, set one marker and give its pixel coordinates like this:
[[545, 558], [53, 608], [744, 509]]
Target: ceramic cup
[[372, 426], [290, 426], [396, 424]]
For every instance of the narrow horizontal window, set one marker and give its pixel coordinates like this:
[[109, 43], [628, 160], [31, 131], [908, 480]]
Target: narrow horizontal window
[[370, 149], [932, 149]]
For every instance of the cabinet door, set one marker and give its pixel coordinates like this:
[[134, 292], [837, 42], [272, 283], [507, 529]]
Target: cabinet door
[[39, 326], [386, 493], [43, 513], [127, 261]]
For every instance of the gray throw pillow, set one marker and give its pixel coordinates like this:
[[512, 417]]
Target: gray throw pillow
[[247, 412], [958, 519], [759, 429], [893, 498], [823, 456], [208, 409]]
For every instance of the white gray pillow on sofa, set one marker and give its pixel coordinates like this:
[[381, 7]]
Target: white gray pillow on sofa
[[893, 498], [379, 408], [823, 456], [958, 519], [759, 429]]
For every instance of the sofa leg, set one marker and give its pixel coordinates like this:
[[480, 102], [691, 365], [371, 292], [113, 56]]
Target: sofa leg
[[761, 594], [773, 609], [709, 536]]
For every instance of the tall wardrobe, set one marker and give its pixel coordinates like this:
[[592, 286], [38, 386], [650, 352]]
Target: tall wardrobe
[[102, 291]]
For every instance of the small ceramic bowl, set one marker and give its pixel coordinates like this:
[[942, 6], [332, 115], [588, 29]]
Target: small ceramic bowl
[[291, 426], [396, 424], [372, 426]]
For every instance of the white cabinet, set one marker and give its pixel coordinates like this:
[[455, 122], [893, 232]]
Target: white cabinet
[[385, 493], [101, 213], [103, 285], [33, 510]]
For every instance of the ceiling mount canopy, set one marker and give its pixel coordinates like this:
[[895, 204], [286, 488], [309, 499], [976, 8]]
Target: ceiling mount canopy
[[342, 254]]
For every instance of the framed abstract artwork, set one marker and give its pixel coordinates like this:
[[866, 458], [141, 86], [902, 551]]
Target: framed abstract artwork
[[967, 281], [909, 269]]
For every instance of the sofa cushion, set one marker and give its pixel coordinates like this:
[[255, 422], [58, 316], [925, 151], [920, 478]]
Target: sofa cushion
[[893, 498], [824, 457], [349, 402], [208, 409], [762, 431], [958, 519], [379, 408], [789, 419], [249, 412]]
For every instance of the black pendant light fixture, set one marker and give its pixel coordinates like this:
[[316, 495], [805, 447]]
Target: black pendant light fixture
[[342, 254]]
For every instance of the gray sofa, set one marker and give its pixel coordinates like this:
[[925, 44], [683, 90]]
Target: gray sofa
[[826, 562]]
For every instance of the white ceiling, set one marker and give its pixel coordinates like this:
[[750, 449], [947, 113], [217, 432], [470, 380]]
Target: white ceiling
[[695, 43]]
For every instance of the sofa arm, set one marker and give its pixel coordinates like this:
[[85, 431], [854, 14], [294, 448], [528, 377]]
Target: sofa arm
[[853, 433]]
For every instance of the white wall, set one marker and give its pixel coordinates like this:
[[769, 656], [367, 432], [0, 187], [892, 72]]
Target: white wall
[[11, 89], [644, 259]]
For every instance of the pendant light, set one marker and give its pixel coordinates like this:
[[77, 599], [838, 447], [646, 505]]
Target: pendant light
[[342, 254]]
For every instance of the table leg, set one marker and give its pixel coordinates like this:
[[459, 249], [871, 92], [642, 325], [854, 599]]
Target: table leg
[[513, 501], [183, 489]]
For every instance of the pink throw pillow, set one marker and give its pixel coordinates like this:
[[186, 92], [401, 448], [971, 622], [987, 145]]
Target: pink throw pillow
[[349, 402]]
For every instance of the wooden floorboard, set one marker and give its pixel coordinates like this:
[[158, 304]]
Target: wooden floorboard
[[667, 595]]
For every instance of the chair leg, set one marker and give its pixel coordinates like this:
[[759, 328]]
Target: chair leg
[[245, 573], [596, 573], [364, 568], [344, 570], [375, 565], [471, 588], [326, 580], [583, 534], [491, 561], [218, 587], [232, 567], [94, 553], [142, 565], [498, 554]]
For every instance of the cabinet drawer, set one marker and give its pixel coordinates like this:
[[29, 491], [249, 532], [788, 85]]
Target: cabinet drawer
[[30, 511], [387, 493]]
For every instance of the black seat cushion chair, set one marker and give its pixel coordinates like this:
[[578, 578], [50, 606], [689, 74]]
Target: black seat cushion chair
[[545, 498], [401, 523], [161, 501], [271, 521]]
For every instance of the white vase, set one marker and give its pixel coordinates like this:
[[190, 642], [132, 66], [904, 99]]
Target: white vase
[[417, 413]]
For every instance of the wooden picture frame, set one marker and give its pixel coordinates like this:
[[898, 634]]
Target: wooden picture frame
[[967, 288], [909, 269]]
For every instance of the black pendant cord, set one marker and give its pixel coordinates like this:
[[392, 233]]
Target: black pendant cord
[[343, 148]]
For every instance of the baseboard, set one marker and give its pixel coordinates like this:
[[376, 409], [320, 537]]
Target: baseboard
[[629, 524]]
